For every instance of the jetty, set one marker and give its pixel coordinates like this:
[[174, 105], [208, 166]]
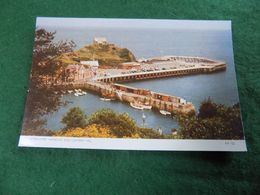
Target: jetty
[[165, 67]]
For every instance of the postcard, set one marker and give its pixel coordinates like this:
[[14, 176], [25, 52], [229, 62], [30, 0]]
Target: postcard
[[133, 84]]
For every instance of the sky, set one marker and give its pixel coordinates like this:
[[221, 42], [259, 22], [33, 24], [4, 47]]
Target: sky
[[133, 23]]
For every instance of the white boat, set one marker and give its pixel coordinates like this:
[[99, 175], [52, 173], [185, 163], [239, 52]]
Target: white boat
[[105, 99], [147, 107], [136, 106], [84, 93], [70, 91], [76, 94], [164, 112], [79, 93]]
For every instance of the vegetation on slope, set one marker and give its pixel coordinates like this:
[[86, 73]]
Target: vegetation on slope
[[104, 123], [106, 54], [214, 121]]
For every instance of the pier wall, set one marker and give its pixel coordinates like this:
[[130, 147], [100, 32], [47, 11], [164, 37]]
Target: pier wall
[[161, 74]]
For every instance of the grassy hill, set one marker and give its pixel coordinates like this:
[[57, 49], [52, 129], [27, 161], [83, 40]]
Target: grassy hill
[[106, 54]]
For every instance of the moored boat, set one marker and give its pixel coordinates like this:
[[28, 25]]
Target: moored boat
[[136, 106], [147, 107], [164, 112], [105, 99]]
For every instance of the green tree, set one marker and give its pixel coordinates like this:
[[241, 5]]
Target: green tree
[[120, 124], [207, 109], [214, 121], [75, 117]]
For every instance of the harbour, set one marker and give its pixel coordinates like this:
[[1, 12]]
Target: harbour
[[192, 87]]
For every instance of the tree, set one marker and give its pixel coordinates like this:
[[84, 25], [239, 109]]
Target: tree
[[41, 99], [120, 124], [75, 117], [207, 109], [214, 121], [46, 50]]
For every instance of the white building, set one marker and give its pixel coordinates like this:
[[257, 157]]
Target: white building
[[100, 40], [92, 63]]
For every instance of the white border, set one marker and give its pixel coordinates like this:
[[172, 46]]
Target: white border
[[132, 144]]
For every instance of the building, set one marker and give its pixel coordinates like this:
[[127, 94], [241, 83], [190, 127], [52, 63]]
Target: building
[[92, 64], [75, 72], [130, 65], [100, 40]]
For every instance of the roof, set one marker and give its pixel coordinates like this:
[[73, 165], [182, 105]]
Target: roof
[[90, 63]]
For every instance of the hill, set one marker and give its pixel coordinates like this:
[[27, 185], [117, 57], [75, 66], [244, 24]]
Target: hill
[[106, 54]]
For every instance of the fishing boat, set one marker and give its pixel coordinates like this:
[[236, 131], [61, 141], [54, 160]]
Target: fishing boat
[[136, 106], [164, 112]]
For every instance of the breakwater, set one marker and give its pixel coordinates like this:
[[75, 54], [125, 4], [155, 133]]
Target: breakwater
[[203, 69], [158, 101]]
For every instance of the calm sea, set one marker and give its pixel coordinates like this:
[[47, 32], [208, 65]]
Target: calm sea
[[221, 86]]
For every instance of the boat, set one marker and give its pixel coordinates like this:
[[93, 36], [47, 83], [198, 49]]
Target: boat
[[147, 107], [76, 94], [164, 112], [84, 93], [70, 91], [105, 99], [79, 93], [136, 106]]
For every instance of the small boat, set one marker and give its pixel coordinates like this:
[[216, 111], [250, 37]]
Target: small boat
[[164, 112], [136, 106], [70, 91], [79, 93], [76, 94], [84, 93], [105, 99], [147, 107]]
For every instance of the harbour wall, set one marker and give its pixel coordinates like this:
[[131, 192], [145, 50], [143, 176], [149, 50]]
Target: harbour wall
[[162, 73], [158, 101]]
